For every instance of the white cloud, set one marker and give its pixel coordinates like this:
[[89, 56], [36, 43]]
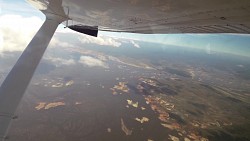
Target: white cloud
[[57, 42], [61, 61], [16, 31], [92, 62], [101, 40], [208, 49], [135, 44]]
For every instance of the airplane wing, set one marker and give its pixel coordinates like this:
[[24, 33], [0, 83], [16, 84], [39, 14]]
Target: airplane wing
[[155, 16], [134, 16]]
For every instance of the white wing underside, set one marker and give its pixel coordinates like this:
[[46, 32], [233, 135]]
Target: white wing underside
[[155, 16]]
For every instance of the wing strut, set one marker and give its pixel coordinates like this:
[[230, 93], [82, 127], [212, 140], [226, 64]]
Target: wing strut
[[15, 84]]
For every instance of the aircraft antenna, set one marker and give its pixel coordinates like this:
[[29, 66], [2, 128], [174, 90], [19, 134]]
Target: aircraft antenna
[[67, 22]]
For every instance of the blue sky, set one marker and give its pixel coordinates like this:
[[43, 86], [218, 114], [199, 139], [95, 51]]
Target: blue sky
[[230, 43]]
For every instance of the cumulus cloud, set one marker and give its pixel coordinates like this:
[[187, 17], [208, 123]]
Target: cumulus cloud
[[16, 31], [101, 40], [92, 62], [135, 44], [57, 42], [60, 61]]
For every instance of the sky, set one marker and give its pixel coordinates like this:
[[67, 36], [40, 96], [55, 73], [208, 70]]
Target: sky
[[20, 20]]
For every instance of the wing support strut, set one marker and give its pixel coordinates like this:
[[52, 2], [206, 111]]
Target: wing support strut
[[16, 82]]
